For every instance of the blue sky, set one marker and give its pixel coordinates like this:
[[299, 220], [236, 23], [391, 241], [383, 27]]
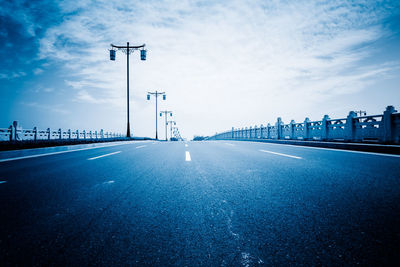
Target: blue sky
[[221, 63]]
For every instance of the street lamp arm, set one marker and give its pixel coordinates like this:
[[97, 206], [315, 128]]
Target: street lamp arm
[[130, 47], [156, 93]]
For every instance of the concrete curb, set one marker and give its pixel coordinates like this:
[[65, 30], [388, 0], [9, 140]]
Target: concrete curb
[[16, 145], [377, 148]]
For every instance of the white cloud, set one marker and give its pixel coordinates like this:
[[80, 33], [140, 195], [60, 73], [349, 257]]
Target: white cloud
[[52, 108], [12, 75], [221, 64], [37, 71]]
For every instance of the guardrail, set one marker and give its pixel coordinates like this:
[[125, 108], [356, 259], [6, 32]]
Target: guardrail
[[14, 133], [384, 128]]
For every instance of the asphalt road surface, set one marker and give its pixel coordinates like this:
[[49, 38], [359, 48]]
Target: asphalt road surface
[[213, 203]]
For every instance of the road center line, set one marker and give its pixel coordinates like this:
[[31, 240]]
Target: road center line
[[105, 155], [229, 144], [186, 145], [280, 154], [188, 156], [141, 146]]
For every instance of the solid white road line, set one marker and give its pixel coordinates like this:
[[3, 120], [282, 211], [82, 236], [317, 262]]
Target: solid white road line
[[58, 152], [188, 156], [229, 144], [280, 154], [141, 146], [105, 155], [3, 182], [336, 149], [186, 145]]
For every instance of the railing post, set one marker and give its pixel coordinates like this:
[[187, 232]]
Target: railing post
[[268, 130], [306, 135], [261, 131], [95, 134], [35, 133], [60, 134], [250, 132], [324, 128], [232, 135], [279, 128], [388, 124], [84, 134], [11, 132], [292, 129], [69, 134], [48, 134], [77, 134], [15, 130], [350, 126]]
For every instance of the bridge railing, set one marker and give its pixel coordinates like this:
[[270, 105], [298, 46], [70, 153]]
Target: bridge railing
[[17, 133], [382, 128]]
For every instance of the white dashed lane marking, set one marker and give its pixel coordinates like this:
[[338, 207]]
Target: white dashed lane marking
[[280, 154], [3, 182], [186, 145], [188, 156], [141, 146], [105, 155]]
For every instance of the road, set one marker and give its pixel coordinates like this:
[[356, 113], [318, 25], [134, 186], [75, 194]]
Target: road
[[213, 203]]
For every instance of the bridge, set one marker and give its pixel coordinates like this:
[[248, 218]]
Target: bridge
[[209, 203]]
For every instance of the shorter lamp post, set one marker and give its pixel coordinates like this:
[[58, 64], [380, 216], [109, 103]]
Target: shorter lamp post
[[361, 112], [165, 115], [156, 94], [177, 134], [170, 127]]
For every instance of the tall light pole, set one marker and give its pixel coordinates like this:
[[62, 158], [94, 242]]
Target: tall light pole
[[128, 50], [165, 115], [156, 94], [170, 127]]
